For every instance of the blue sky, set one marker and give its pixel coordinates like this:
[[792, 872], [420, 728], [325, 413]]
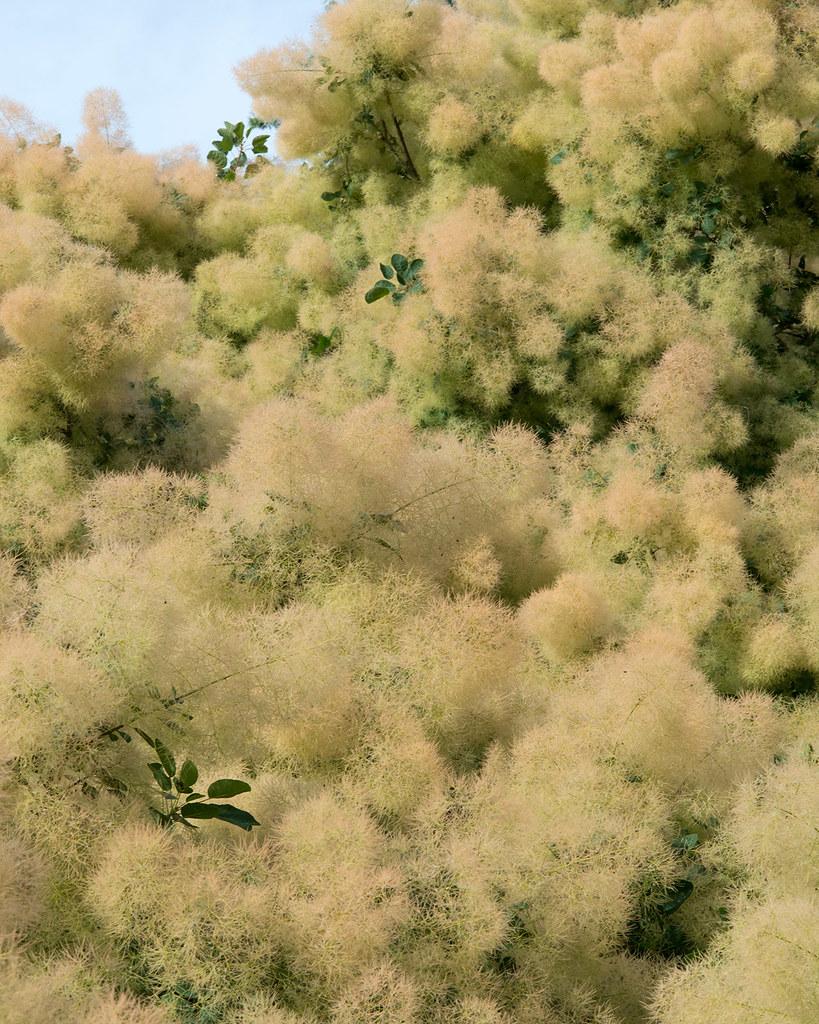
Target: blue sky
[[171, 60]]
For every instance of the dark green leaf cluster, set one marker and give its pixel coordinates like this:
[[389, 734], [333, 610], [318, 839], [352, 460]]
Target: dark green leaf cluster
[[801, 158], [181, 802], [407, 282], [149, 434], [320, 343], [234, 139], [341, 199], [654, 931]]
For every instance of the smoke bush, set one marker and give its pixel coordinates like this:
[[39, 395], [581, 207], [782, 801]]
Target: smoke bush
[[489, 589]]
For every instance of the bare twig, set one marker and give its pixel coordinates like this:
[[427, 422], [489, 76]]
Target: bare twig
[[168, 702]]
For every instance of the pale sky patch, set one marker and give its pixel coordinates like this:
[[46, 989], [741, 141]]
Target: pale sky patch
[[171, 60]]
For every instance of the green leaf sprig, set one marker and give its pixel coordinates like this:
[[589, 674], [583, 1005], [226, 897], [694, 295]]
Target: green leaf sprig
[[182, 803], [235, 139], [407, 281]]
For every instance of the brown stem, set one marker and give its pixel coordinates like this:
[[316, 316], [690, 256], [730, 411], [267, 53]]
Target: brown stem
[[411, 168], [388, 140]]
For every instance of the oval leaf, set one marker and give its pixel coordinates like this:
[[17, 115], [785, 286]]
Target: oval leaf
[[677, 895], [222, 812], [162, 779], [166, 757], [188, 774], [686, 842], [227, 787], [401, 263], [386, 271], [379, 290]]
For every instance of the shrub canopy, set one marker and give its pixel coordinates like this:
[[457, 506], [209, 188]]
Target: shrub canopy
[[445, 491]]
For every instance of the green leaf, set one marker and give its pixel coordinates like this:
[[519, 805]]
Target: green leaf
[[145, 736], [379, 290], [166, 757], [196, 796], [225, 144], [401, 263], [558, 157], [114, 784], [234, 816], [686, 842], [708, 224], [188, 774], [677, 895], [201, 811], [239, 131], [386, 271], [260, 143], [330, 197], [319, 344], [222, 812], [162, 779], [415, 267], [227, 787]]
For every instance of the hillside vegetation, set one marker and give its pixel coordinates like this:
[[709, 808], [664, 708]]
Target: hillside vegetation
[[444, 493]]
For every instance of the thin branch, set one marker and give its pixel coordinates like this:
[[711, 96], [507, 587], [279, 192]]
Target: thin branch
[[168, 702], [429, 494], [413, 170]]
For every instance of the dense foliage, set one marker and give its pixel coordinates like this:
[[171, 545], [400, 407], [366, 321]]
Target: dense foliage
[[448, 490]]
